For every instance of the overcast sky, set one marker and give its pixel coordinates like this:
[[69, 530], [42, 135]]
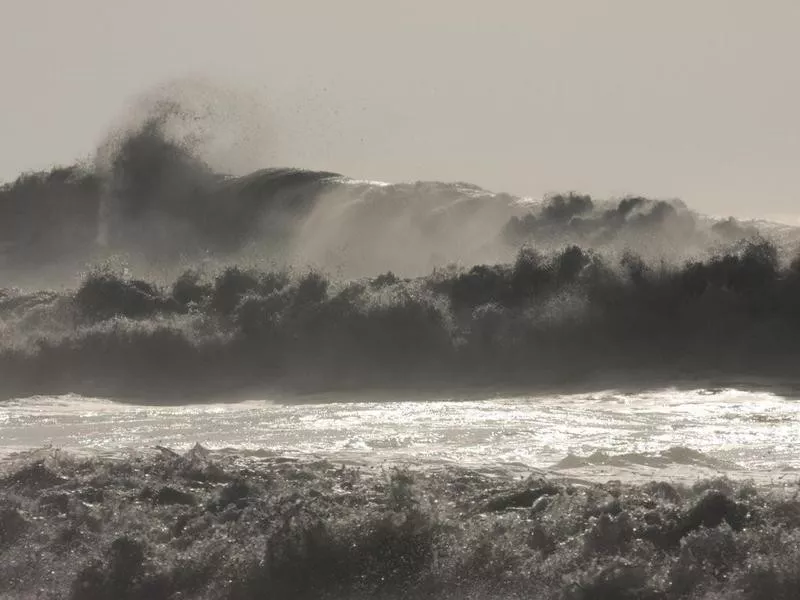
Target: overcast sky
[[697, 99]]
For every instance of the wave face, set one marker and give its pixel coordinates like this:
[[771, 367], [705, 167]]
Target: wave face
[[567, 319]]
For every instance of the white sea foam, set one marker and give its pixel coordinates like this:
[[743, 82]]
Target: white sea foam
[[666, 434]]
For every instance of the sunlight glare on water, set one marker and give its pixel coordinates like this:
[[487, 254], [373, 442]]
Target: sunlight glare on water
[[752, 430]]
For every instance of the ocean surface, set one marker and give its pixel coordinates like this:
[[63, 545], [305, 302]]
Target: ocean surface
[[668, 434], [147, 272]]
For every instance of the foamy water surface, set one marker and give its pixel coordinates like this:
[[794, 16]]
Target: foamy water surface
[[605, 434]]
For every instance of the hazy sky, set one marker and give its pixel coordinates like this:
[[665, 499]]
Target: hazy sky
[[698, 99]]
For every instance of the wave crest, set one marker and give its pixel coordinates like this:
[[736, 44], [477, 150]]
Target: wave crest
[[560, 320], [153, 198]]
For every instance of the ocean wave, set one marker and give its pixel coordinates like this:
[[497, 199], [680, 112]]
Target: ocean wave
[[151, 200], [564, 319], [160, 524], [676, 455], [179, 281]]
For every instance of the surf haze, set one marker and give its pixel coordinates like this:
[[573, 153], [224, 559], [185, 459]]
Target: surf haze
[[441, 302]]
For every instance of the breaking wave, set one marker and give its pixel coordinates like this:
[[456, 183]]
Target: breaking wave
[[149, 274], [200, 526], [151, 199], [179, 280], [558, 320]]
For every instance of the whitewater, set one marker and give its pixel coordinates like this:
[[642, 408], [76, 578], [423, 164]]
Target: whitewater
[[296, 385], [669, 434]]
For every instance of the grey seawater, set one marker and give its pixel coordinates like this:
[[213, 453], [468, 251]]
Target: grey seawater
[[668, 434]]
